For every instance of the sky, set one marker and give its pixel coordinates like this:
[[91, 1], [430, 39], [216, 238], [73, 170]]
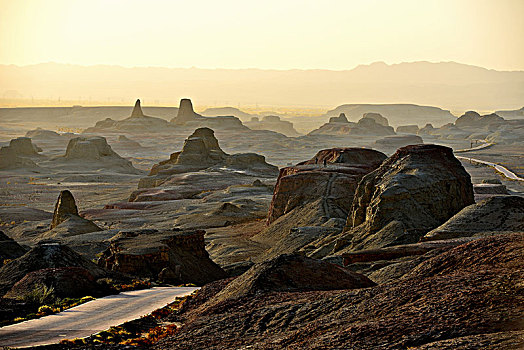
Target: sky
[[283, 34]]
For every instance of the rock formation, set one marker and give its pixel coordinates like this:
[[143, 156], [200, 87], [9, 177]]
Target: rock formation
[[173, 257], [23, 147], [340, 119], [43, 256], [311, 194], [272, 123], [408, 129], [95, 152], [397, 141], [414, 191], [9, 249], [201, 151], [10, 160], [67, 282], [66, 219], [465, 297], [495, 215], [137, 122], [377, 117], [291, 273], [472, 119], [187, 117]]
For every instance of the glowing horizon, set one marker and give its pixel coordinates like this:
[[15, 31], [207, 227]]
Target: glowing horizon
[[331, 35]]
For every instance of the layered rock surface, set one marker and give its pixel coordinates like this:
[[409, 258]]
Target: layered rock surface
[[272, 123], [43, 256], [369, 124], [415, 190], [172, 257], [18, 154], [187, 117], [495, 215]]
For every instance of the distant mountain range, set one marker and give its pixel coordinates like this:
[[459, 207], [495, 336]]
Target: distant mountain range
[[449, 85]]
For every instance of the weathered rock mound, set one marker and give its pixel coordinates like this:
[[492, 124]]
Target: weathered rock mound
[[165, 256], [187, 117], [24, 147], [65, 207], [340, 119], [377, 117], [94, 151], [9, 249], [291, 273], [495, 215], [408, 129], [43, 256], [334, 183], [371, 124], [67, 282], [412, 192], [272, 123]]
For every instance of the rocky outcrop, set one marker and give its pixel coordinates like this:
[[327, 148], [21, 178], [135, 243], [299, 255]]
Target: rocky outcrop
[[397, 141], [426, 130], [414, 191], [377, 117], [334, 183], [137, 122], [42, 134], [66, 220], [43, 256], [408, 129], [95, 152], [187, 117], [171, 257], [23, 147], [200, 152], [10, 160], [291, 273], [472, 119], [466, 297], [340, 119], [272, 123], [9, 249], [495, 215]]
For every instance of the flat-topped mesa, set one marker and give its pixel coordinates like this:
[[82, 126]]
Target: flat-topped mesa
[[340, 119], [185, 112], [415, 190], [65, 207], [331, 177], [94, 147], [137, 110], [24, 147]]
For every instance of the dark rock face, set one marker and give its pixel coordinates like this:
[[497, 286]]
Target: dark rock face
[[43, 256], [412, 192], [466, 297], [291, 273], [9, 249], [65, 207], [334, 184], [340, 119], [68, 282], [495, 215], [167, 256]]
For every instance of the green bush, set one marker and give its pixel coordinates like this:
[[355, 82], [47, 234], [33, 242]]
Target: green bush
[[39, 295], [45, 309]]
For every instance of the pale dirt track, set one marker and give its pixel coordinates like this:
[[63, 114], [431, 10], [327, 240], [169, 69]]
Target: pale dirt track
[[91, 317]]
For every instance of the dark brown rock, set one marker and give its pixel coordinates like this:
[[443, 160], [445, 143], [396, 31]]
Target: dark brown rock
[[65, 207], [9, 249], [177, 257]]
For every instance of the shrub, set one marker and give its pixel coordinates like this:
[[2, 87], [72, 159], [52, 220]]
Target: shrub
[[39, 295], [45, 309]]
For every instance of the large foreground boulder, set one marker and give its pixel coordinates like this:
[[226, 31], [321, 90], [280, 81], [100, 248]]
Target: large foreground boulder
[[43, 256], [495, 215], [172, 257], [292, 273], [412, 192]]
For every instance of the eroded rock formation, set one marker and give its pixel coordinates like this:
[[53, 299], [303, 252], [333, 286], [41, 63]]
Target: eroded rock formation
[[66, 219], [172, 257], [412, 192]]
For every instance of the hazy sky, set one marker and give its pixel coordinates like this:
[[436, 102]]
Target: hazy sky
[[280, 34]]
